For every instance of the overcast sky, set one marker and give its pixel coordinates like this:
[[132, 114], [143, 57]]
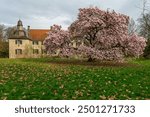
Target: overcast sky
[[44, 13]]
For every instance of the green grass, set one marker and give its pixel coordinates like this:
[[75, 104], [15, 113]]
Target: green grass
[[72, 79]]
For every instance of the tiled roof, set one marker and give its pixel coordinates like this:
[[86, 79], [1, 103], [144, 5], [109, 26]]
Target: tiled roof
[[38, 34]]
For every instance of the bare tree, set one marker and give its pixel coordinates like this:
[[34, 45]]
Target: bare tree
[[144, 21], [2, 27], [132, 27], [9, 32], [144, 26], [3, 44]]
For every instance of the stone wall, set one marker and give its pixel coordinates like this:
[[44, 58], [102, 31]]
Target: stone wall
[[26, 47]]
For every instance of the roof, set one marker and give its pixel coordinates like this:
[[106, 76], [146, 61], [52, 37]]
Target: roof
[[38, 34], [18, 34]]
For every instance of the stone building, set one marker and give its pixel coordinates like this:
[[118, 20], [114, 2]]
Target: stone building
[[27, 43]]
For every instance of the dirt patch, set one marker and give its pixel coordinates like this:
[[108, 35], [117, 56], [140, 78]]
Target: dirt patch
[[96, 63]]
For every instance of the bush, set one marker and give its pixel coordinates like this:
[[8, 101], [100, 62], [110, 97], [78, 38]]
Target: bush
[[147, 50], [4, 50]]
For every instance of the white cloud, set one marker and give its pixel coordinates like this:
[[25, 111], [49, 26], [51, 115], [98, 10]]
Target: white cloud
[[43, 13], [46, 22]]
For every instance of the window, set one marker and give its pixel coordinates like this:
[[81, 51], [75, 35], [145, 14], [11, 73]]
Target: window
[[18, 42], [35, 42], [18, 51], [43, 51], [35, 51]]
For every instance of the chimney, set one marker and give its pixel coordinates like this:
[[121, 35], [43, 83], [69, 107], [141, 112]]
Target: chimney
[[28, 29], [50, 27]]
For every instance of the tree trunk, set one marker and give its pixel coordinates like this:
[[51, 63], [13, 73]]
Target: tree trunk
[[90, 59]]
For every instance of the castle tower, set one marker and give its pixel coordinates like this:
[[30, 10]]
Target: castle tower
[[18, 42], [20, 32], [19, 25]]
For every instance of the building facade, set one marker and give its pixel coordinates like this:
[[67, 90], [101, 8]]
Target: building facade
[[27, 43]]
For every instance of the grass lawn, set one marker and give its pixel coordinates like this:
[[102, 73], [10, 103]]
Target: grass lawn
[[71, 79]]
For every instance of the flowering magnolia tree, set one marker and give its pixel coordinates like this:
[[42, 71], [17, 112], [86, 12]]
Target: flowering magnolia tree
[[105, 35], [58, 42]]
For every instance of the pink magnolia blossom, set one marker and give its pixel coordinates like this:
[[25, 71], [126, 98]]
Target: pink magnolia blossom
[[58, 40], [106, 35]]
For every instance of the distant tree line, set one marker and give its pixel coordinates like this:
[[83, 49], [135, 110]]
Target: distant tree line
[[144, 27], [5, 33]]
